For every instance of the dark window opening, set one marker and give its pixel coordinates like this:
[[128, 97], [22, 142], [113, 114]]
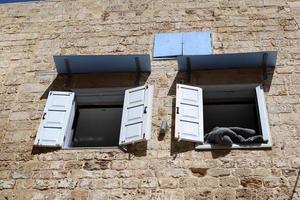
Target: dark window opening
[[231, 108], [97, 126]]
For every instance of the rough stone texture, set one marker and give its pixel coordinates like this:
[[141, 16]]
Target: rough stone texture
[[31, 33]]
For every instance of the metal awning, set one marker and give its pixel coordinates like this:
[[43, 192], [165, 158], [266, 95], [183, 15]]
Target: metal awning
[[80, 64], [227, 61]]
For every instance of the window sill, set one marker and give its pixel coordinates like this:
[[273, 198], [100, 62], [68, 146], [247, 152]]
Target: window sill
[[234, 146], [103, 149]]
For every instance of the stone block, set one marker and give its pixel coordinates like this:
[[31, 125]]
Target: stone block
[[210, 182], [21, 174], [44, 184], [108, 184], [251, 182], [7, 184], [66, 183], [199, 194], [79, 195], [167, 183], [96, 165], [130, 183], [148, 183], [187, 182], [217, 172], [245, 193], [109, 173], [119, 164], [224, 194], [229, 181], [24, 184]]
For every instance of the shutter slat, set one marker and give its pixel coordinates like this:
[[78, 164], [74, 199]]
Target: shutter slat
[[136, 116], [57, 119], [189, 114]]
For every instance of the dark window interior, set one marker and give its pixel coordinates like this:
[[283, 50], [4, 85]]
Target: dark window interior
[[230, 109], [97, 126]]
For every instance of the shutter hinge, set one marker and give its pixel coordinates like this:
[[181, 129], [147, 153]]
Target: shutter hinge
[[144, 135], [44, 115], [146, 86], [145, 109], [177, 110]]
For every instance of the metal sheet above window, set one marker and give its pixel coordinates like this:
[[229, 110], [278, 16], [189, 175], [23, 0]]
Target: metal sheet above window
[[77, 64], [227, 61], [17, 1]]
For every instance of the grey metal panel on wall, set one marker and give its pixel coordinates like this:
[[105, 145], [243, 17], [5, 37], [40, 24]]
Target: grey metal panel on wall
[[167, 45], [171, 45], [77, 64], [227, 61], [196, 43]]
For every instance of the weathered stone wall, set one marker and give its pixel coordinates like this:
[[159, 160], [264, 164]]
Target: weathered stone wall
[[31, 33]]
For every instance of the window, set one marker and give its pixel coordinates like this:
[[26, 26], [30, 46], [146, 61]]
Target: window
[[96, 118], [171, 45], [200, 110]]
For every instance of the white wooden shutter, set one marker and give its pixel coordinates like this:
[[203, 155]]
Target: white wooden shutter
[[57, 119], [137, 114], [263, 115], [189, 114]]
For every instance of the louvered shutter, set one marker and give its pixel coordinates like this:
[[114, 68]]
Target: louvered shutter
[[57, 119], [137, 114], [189, 114]]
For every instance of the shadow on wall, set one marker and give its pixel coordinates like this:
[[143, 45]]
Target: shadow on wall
[[213, 77], [97, 80], [138, 150]]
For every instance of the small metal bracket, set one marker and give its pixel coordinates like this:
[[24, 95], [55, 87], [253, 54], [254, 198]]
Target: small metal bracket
[[188, 69], [124, 148], [44, 115], [68, 69], [264, 67], [138, 70]]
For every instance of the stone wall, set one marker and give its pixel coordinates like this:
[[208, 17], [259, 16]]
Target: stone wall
[[31, 33]]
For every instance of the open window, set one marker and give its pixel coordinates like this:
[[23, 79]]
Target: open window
[[203, 110], [96, 117]]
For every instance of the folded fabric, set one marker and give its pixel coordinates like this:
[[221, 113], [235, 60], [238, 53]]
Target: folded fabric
[[229, 135]]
